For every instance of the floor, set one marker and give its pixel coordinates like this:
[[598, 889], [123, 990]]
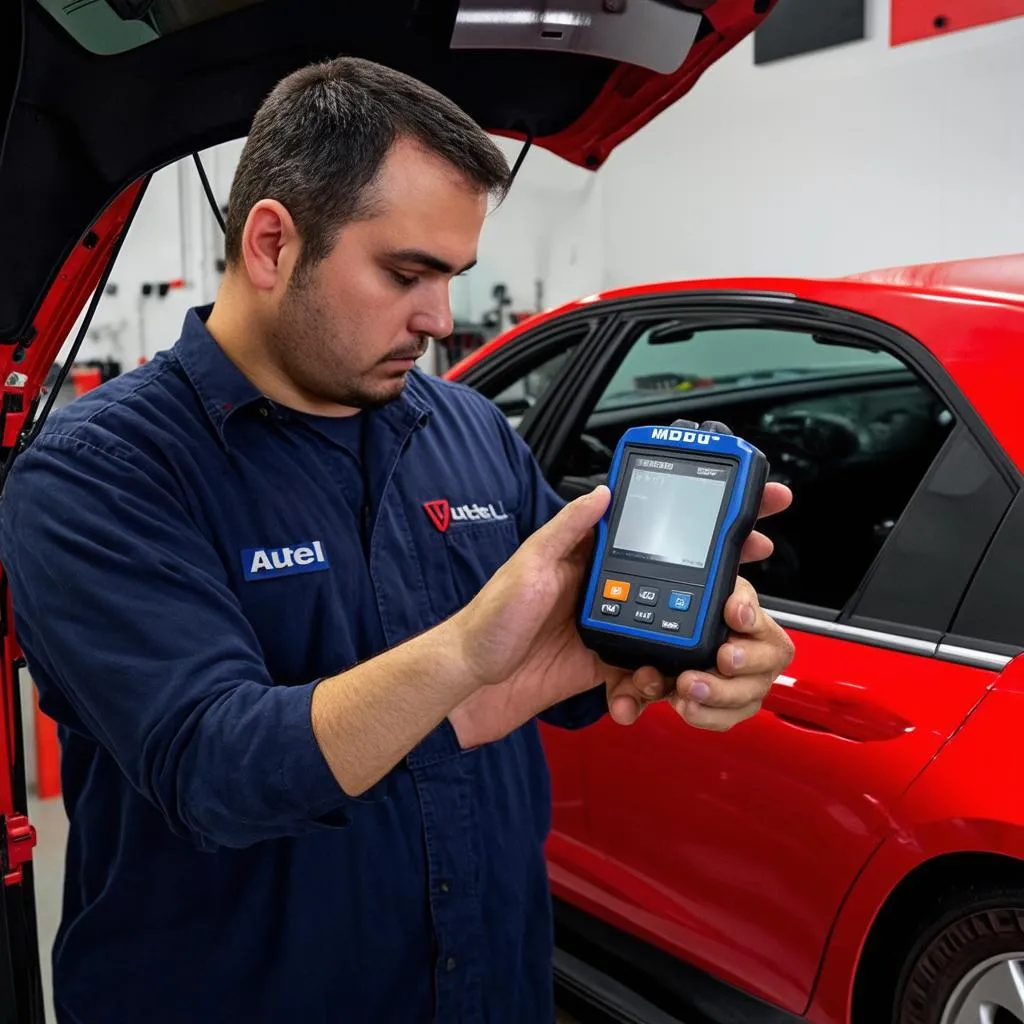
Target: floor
[[48, 861]]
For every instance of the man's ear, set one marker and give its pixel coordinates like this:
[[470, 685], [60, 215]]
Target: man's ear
[[270, 244]]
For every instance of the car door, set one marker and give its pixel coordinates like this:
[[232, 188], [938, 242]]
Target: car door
[[733, 851]]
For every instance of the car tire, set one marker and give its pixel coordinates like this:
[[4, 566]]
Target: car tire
[[964, 951]]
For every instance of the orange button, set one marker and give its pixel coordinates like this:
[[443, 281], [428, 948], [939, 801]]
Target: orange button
[[616, 590]]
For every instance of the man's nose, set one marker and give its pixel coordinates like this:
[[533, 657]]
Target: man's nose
[[434, 316]]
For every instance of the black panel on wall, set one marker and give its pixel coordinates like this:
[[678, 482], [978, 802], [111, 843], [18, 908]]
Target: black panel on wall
[[801, 26]]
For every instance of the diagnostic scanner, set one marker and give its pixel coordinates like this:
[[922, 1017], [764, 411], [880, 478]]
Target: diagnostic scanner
[[684, 499]]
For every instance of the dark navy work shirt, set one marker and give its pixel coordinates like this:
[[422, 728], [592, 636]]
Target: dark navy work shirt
[[187, 559]]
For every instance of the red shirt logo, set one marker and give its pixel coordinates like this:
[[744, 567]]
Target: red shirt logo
[[440, 513]]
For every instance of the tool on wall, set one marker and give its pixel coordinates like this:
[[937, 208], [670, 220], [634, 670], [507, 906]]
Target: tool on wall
[[152, 290]]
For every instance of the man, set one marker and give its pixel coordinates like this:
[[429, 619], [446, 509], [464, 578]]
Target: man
[[300, 752]]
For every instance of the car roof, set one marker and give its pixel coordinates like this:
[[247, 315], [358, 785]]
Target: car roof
[[996, 276], [993, 277], [968, 314]]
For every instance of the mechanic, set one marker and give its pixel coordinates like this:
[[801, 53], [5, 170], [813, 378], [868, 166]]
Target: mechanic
[[298, 702]]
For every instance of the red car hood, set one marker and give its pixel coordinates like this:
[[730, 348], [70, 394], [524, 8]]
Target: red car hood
[[94, 102]]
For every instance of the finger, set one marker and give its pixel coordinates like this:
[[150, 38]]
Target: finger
[[764, 643], [653, 684], [628, 697], [775, 499], [625, 703], [756, 548], [560, 537], [580, 554], [742, 656], [744, 614], [712, 690], [700, 716]]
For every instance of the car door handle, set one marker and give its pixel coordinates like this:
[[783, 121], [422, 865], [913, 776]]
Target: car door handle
[[804, 723], [834, 709]]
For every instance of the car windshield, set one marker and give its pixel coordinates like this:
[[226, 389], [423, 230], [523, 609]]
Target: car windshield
[[665, 362]]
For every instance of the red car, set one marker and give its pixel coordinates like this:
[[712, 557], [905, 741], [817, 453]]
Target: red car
[[96, 95], [850, 855], [855, 852]]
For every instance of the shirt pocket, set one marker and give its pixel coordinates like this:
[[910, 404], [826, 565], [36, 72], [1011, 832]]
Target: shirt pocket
[[474, 552]]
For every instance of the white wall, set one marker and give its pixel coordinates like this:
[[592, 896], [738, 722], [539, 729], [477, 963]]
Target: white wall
[[848, 159]]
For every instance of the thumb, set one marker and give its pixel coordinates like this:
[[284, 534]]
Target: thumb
[[561, 535]]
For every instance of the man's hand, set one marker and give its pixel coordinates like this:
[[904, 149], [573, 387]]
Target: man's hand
[[518, 635], [755, 653], [519, 638]]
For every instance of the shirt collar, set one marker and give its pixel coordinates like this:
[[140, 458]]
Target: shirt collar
[[221, 386], [224, 389]]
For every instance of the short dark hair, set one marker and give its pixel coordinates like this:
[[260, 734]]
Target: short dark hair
[[319, 139]]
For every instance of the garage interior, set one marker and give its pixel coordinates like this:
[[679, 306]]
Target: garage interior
[[843, 136]]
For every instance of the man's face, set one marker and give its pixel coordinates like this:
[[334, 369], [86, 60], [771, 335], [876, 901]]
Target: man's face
[[349, 329]]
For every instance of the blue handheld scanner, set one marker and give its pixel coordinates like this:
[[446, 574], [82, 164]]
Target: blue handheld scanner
[[684, 499]]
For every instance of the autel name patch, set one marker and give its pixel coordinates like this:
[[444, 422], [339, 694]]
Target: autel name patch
[[266, 563]]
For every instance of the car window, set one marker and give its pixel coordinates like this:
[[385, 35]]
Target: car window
[[668, 359], [535, 374], [852, 431], [990, 610]]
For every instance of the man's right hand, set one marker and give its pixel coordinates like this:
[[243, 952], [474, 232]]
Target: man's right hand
[[519, 639]]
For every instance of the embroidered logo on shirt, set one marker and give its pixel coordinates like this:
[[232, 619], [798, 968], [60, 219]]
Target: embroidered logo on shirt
[[263, 563], [442, 513]]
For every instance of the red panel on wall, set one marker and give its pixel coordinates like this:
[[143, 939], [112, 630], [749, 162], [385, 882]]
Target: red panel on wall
[[922, 19]]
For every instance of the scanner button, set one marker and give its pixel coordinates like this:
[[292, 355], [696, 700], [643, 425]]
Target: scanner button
[[644, 615], [647, 595], [680, 602], [616, 590], [671, 625], [610, 608]]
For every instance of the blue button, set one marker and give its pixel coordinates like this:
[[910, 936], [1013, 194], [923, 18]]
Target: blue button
[[680, 602]]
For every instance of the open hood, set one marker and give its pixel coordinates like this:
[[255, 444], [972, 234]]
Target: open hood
[[98, 93]]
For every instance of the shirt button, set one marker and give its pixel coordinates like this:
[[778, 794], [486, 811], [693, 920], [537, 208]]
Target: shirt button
[[264, 411], [444, 887], [450, 963]]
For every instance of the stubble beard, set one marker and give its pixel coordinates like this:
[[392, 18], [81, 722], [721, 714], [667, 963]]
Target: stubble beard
[[303, 342]]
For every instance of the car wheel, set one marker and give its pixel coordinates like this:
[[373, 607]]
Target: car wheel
[[969, 967]]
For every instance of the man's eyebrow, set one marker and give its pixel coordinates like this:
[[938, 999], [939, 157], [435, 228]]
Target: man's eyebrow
[[428, 260]]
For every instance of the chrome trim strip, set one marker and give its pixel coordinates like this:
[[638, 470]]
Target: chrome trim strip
[[804, 622], [876, 638], [893, 641], [969, 656]]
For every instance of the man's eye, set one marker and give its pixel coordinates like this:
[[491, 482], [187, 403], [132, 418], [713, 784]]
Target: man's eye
[[404, 280]]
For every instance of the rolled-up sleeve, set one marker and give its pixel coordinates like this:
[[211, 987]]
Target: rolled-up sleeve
[[135, 637]]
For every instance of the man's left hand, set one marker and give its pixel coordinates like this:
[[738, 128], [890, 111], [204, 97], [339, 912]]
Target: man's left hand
[[757, 650]]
